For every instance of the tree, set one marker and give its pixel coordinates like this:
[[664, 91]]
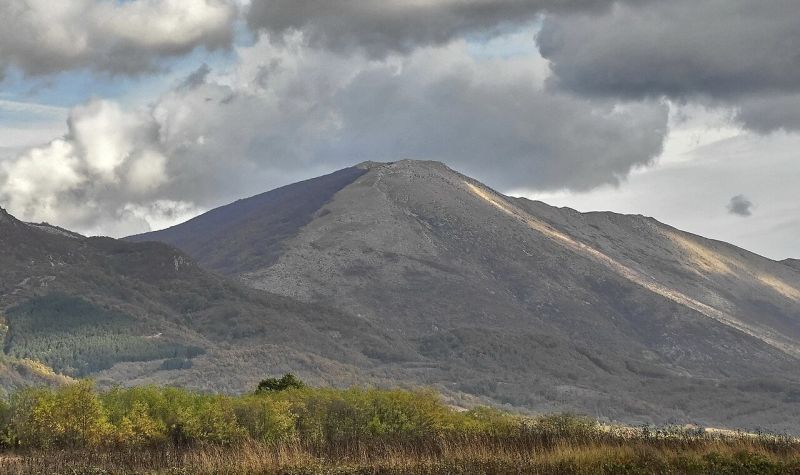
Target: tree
[[82, 414], [70, 416], [137, 428], [288, 381]]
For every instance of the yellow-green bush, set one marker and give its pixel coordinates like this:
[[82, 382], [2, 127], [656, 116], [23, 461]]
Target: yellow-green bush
[[264, 419], [78, 416], [329, 415], [70, 416]]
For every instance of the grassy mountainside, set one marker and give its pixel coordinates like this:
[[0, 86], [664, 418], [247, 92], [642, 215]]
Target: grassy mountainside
[[617, 316]]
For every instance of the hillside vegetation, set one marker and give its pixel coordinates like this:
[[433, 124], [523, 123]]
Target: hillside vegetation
[[77, 338], [286, 427]]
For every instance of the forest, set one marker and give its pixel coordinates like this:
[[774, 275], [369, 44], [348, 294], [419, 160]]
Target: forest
[[76, 337]]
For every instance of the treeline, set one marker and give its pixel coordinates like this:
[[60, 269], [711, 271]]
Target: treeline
[[78, 416]]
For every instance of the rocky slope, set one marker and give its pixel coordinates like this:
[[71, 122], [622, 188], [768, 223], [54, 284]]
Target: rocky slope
[[793, 263], [521, 303]]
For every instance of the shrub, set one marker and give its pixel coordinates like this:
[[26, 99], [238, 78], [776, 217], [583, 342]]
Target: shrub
[[288, 381], [78, 416], [70, 416]]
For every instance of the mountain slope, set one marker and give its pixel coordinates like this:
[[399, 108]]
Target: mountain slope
[[539, 307], [124, 312], [793, 263], [247, 234]]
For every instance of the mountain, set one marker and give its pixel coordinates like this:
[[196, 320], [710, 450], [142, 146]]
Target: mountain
[[129, 313], [521, 303], [793, 263], [247, 234]]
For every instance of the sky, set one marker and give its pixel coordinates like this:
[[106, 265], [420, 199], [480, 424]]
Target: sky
[[123, 116]]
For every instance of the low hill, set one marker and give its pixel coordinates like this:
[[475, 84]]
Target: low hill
[[517, 302]]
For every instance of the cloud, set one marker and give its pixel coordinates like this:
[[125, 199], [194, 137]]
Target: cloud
[[770, 112], [289, 110], [108, 158], [197, 77], [495, 126], [739, 54], [734, 54], [44, 36], [740, 206], [400, 26], [696, 176], [681, 48], [295, 106]]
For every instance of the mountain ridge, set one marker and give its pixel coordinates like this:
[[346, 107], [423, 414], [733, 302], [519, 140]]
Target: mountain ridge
[[536, 306], [793, 263], [284, 201]]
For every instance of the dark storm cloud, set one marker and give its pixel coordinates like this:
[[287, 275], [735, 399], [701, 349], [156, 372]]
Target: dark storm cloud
[[400, 26], [740, 206], [46, 36], [680, 48], [769, 113]]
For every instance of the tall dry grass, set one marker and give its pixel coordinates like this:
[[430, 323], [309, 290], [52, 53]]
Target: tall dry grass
[[532, 453]]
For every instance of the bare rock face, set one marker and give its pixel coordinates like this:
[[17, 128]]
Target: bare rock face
[[520, 303]]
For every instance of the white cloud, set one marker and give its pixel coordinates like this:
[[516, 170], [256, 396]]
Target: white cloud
[[107, 158], [147, 172], [32, 183], [105, 135], [289, 111]]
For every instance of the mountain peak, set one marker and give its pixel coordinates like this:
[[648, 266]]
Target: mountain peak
[[421, 165], [404, 164], [371, 165], [260, 222]]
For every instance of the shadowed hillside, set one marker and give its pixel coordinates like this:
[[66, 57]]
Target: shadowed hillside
[[248, 234], [126, 313]]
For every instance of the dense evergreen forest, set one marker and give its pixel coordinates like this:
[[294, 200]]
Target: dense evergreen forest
[[76, 337]]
